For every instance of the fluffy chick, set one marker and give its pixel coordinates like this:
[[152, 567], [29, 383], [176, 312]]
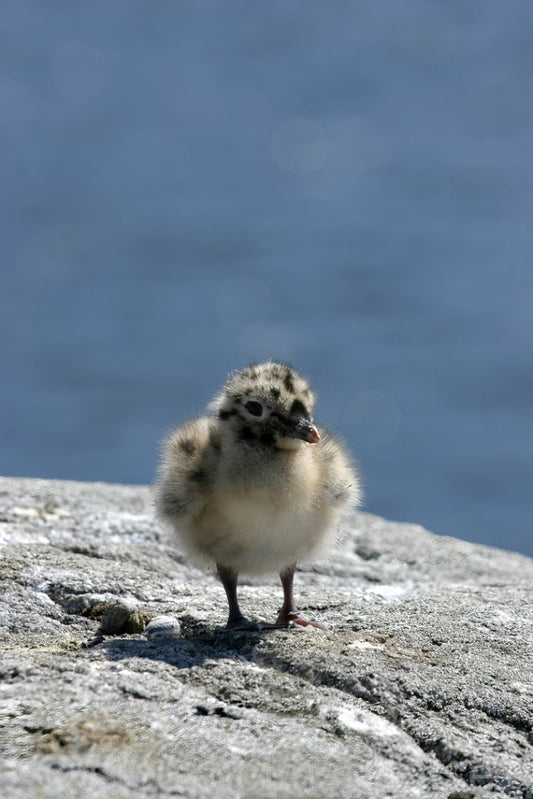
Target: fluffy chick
[[255, 487]]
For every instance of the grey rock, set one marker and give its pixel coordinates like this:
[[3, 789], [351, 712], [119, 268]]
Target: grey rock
[[422, 686], [122, 616]]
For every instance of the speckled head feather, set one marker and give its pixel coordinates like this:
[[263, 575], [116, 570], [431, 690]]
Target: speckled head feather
[[263, 403], [273, 383]]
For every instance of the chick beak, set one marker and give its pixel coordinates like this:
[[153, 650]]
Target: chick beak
[[307, 431]]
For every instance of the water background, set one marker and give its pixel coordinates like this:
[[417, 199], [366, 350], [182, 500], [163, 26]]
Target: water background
[[188, 186]]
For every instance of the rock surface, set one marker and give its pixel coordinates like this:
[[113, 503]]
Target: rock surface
[[422, 687]]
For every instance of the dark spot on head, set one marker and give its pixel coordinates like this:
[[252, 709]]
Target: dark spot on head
[[247, 434], [187, 446], [214, 440], [254, 408], [298, 408], [222, 414], [288, 383], [275, 392], [172, 503], [199, 476], [267, 438]]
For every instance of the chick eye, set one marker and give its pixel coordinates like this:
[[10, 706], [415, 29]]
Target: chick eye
[[254, 408]]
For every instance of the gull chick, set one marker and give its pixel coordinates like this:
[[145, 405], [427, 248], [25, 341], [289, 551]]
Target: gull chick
[[255, 487]]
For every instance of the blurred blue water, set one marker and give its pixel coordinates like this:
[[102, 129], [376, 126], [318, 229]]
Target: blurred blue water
[[190, 186]]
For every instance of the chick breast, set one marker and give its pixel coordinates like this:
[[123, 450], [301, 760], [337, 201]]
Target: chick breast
[[252, 513]]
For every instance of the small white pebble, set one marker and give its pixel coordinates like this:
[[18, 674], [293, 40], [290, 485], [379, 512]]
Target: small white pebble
[[162, 626]]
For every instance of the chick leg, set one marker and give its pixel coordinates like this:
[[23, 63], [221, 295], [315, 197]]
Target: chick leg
[[228, 578], [289, 613]]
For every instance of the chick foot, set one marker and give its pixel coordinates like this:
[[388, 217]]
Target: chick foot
[[240, 623], [236, 621], [295, 620], [289, 615]]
